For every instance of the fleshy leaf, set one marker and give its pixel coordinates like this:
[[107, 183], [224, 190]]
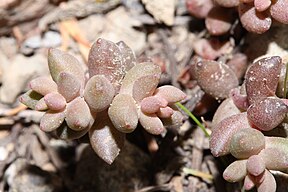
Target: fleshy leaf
[[268, 184], [78, 115], [65, 133], [55, 101], [240, 100], [138, 71], [41, 105], [123, 113], [255, 165], [151, 123], [262, 78], [51, 120], [236, 171], [43, 85], [145, 86], [176, 119], [252, 20], [227, 3], [279, 11], [222, 133], [275, 153], [106, 140], [30, 99], [59, 61], [170, 93], [68, 86], [262, 5], [152, 104], [165, 112], [128, 56], [268, 113], [98, 93], [105, 58], [248, 183], [246, 142], [215, 78]]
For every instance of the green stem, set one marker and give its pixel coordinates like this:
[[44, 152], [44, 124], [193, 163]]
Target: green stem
[[285, 82], [193, 118]]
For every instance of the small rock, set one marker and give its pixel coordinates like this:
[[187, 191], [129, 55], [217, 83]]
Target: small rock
[[51, 39], [33, 42]]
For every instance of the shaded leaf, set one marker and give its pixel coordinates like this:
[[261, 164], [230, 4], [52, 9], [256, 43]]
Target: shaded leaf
[[55, 101], [246, 142], [152, 104], [78, 115], [106, 140], [128, 56], [30, 99], [255, 165], [145, 86], [268, 184], [41, 105], [151, 123], [236, 171], [123, 113], [43, 85], [165, 112], [99, 93], [248, 183], [68, 86], [51, 120], [279, 11], [262, 78], [59, 61], [65, 133], [138, 71], [222, 133]]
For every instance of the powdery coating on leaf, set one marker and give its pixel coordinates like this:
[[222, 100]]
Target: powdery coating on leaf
[[43, 85], [105, 58], [106, 140], [41, 105], [59, 61], [268, 184], [145, 86], [275, 153], [78, 115], [151, 123], [99, 93], [198, 8], [236, 171], [227, 3], [226, 109], [246, 142], [128, 56], [267, 114], [152, 104], [222, 133], [255, 165], [51, 120], [170, 93], [138, 71], [240, 100], [165, 112], [55, 101], [68, 86], [176, 119], [262, 5], [253, 21], [65, 133], [219, 20], [215, 78], [30, 99], [279, 11], [123, 113], [262, 78], [248, 183]]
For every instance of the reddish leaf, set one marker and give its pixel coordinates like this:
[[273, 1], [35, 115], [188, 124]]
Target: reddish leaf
[[51, 120], [68, 86]]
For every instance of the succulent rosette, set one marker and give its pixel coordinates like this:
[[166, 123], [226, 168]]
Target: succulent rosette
[[109, 103]]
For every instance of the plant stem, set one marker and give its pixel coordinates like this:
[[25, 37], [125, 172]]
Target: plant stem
[[193, 118]]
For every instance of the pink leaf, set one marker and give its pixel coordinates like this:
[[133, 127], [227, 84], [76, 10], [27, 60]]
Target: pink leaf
[[99, 93], [123, 113], [151, 123], [55, 101], [262, 5], [68, 86], [128, 56], [51, 120], [106, 140], [227, 3], [268, 184], [152, 104], [255, 165], [170, 93], [165, 112], [41, 105], [279, 11], [43, 85], [236, 171]]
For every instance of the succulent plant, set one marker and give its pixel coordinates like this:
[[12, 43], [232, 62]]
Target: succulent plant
[[109, 103], [255, 109], [255, 15]]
